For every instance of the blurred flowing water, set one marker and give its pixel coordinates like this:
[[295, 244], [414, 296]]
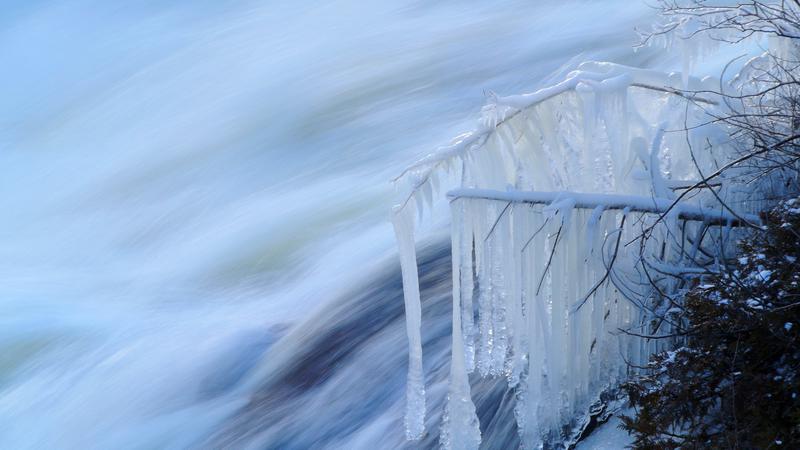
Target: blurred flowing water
[[194, 245]]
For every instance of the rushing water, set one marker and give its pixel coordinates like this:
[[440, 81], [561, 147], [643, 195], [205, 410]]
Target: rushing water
[[194, 245]]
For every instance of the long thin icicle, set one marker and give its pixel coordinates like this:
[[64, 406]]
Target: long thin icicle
[[403, 221], [461, 428], [467, 289]]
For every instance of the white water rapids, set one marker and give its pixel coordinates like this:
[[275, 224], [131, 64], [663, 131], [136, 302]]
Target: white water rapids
[[190, 191]]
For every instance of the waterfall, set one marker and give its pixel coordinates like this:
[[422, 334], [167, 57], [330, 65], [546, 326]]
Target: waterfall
[[196, 249]]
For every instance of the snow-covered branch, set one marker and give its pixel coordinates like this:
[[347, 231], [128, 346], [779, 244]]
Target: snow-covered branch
[[631, 203], [598, 79]]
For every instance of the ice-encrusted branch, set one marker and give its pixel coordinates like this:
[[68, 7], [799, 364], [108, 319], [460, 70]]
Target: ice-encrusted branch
[[590, 76], [633, 203], [669, 90]]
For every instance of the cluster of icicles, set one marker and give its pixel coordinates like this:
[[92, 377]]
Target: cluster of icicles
[[545, 274]]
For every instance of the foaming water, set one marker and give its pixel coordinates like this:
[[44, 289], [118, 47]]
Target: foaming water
[[195, 192]]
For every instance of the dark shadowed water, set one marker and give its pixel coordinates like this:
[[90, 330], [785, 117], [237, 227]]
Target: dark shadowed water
[[340, 375]]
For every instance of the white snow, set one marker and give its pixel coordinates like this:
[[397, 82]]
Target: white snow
[[607, 436]]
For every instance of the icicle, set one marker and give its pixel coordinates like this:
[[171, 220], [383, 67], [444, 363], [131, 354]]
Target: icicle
[[419, 201], [499, 298], [403, 221], [513, 263], [467, 245], [460, 428], [484, 266], [586, 94], [533, 394], [427, 195], [435, 183], [572, 264], [591, 230], [660, 188]]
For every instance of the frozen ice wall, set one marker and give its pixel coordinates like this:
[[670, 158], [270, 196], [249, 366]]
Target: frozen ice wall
[[574, 233]]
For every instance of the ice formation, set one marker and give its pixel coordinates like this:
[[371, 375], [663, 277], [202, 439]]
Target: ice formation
[[415, 387], [552, 277]]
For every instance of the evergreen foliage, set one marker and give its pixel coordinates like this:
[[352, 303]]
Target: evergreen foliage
[[734, 383]]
